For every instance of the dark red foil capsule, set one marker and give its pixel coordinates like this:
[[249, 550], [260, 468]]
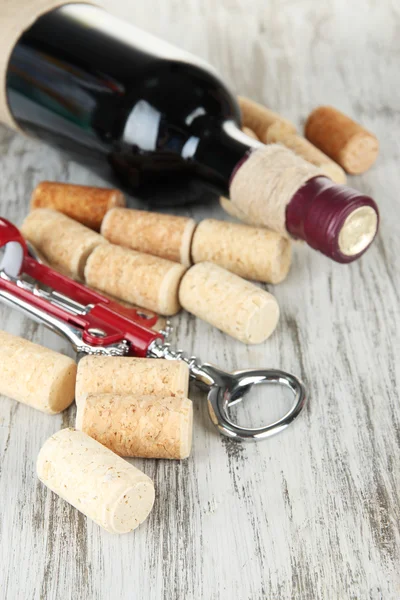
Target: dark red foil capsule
[[337, 220]]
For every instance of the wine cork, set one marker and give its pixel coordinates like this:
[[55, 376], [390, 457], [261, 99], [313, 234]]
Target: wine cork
[[135, 277], [341, 138], [258, 118], [138, 426], [35, 375], [306, 150], [266, 182], [162, 235], [159, 325], [63, 242], [249, 132], [233, 211], [228, 302], [129, 375], [251, 252], [103, 486], [16, 16], [83, 203]]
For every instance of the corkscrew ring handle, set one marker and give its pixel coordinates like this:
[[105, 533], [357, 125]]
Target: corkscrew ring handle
[[226, 389], [230, 388]]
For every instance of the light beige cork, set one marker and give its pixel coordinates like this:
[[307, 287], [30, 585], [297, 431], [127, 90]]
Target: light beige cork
[[138, 426], [86, 204], [16, 16], [130, 375], [237, 307], [265, 184], [35, 375], [63, 242], [162, 235], [302, 147], [233, 211], [138, 278], [103, 486], [250, 133], [251, 252], [258, 118], [158, 325], [345, 141]]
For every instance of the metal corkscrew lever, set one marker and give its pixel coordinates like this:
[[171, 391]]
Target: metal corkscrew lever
[[94, 324]]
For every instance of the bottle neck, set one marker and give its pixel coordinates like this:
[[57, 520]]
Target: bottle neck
[[219, 154]]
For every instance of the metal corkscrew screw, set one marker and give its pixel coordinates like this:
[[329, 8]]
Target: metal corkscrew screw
[[96, 325]]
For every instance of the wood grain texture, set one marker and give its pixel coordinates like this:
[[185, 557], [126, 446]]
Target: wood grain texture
[[313, 513]]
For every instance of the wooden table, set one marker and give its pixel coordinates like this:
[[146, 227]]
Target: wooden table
[[314, 512]]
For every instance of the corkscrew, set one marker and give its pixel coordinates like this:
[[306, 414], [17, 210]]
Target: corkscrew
[[94, 324]]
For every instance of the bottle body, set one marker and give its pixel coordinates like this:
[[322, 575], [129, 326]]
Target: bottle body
[[123, 102], [159, 121]]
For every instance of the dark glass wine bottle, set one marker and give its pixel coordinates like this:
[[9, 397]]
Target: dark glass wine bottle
[[127, 104]]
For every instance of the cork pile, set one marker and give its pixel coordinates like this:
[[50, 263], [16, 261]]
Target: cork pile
[[140, 407], [126, 407], [164, 263]]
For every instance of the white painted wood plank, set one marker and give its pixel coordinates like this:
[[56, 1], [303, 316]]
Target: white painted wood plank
[[314, 512]]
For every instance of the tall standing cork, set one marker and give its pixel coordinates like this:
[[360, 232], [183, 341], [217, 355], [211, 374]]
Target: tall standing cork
[[259, 118], [237, 307], [153, 233], [138, 278], [141, 426], [103, 486], [345, 141], [35, 375], [86, 204], [129, 375], [306, 150], [251, 252], [63, 242]]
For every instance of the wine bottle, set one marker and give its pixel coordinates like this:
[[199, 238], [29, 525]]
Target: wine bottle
[[129, 105]]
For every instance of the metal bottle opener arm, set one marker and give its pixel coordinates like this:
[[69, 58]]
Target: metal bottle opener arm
[[95, 325]]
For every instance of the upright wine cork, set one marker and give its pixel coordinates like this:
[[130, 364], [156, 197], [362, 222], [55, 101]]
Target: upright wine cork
[[128, 375], [142, 426], [85, 204], [153, 233], [35, 375], [341, 138], [258, 118], [135, 277], [100, 484], [251, 252], [63, 242], [228, 302], [306, 150], [265, 184]]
